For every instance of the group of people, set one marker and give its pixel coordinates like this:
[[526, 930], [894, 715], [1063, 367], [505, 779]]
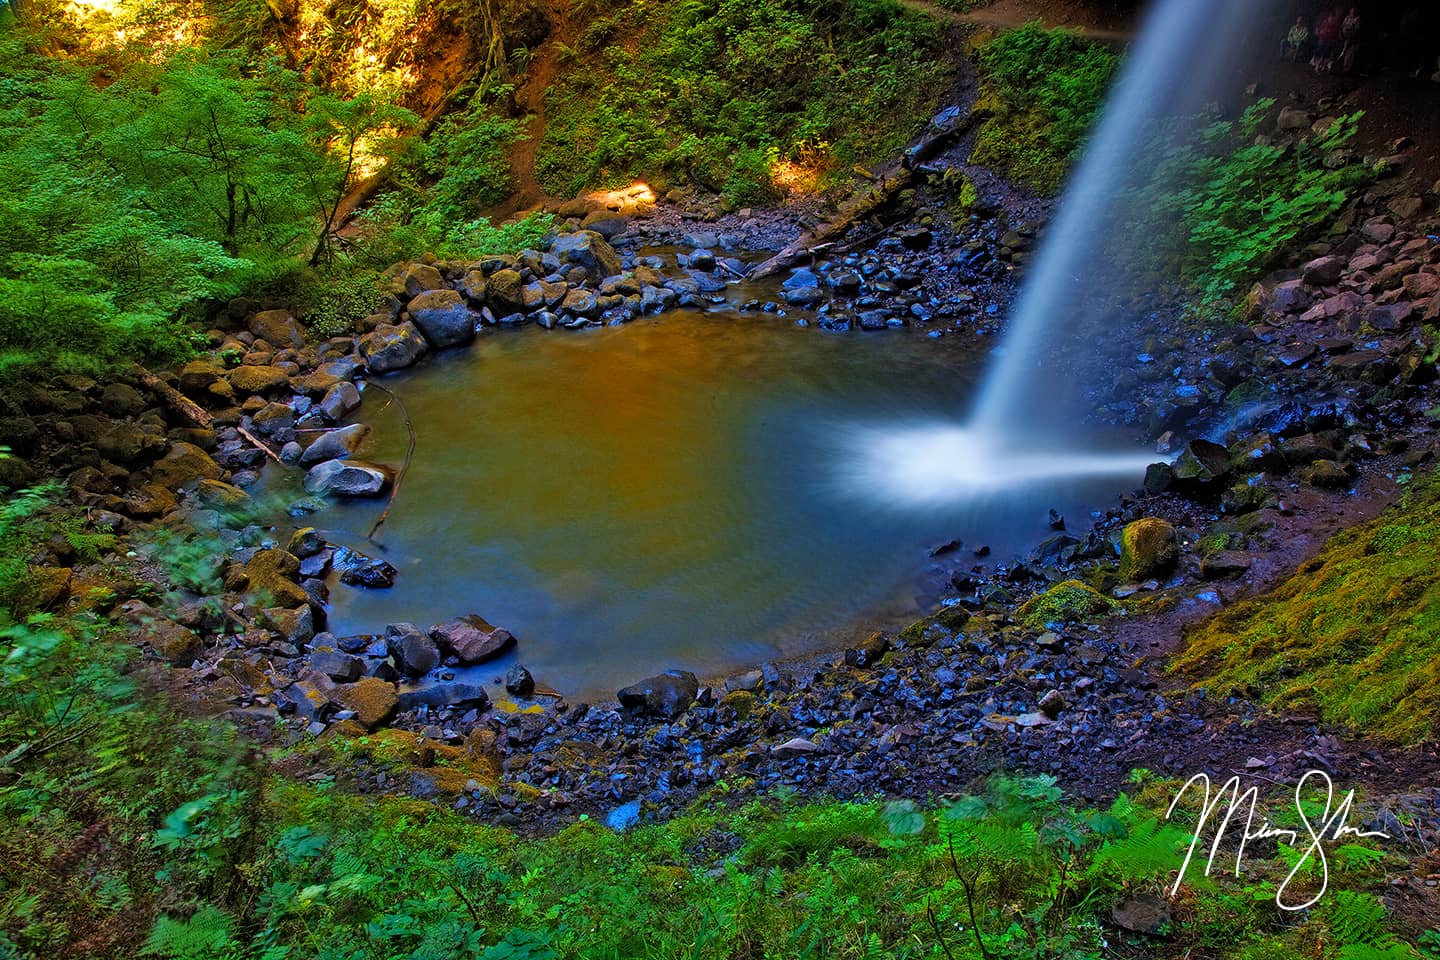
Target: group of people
[[1336, 38]]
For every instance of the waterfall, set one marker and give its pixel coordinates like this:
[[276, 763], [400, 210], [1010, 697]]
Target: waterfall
[[1185, 52], [1028, 427]]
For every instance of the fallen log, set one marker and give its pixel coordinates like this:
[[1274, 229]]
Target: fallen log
[[173, 398], [872, 201]]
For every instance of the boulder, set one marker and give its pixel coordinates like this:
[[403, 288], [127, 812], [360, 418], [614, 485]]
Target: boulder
[[358, 570], [504, 291], [336, 444], [305, 542], [392, 347], [170, 641], [258, 379], [450, 694], [666, 695], [340, 667], [420, 278], [271, 574], [414, 651], [296, 625], [277, 328], [373, 700], [588, 249], [1148, 548], [184, 464], [1324, 271], [198, 376], [347, 478], [121, 400], [129, 444], [443, 318], [217, 495], [519, 682], [340, 400], [472, 639], [869, 652]]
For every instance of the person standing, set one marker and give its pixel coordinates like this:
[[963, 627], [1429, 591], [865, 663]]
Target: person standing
[[1327, 42], [1294, 41], [1350, 40]]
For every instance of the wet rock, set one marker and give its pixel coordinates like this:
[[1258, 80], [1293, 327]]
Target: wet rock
[[305, 700], [655, 300], [277, 328], [1323, 271], [305, 543], [519, 682], [587, 249], [420, 278], [795, 747], [1148, 548], [121, 400], [472, 639], [392, 347], [340, 400], [336, 444], [347, 478], [665, 695], [340, 667], [270, 575], [1052, 704], [198, 376], [450, 694], [373, 700], [217, 495], [414, 652], [358, 570], [443, 318], [295, 625], [624, 816]]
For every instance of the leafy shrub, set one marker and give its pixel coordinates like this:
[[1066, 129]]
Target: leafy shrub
[[714, 92], [1044, 88]]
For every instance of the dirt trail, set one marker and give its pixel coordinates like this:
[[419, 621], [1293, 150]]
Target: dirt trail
[[1008, 14], [528, 192]]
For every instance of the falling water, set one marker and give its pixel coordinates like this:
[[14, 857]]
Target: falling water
[[1027, 427]]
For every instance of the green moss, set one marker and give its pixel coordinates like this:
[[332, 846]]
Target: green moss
[[1066, 602], [1353, 636]]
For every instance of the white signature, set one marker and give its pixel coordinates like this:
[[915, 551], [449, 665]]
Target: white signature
[[1330, 828]]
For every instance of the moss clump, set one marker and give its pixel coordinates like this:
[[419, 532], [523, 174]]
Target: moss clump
[[1065, 602], [1354, 635], [1148, 548]]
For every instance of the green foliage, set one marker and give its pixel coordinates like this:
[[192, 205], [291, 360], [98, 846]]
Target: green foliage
[[1044, 88], [716, 92], [132, 197], [467, 155], [393, 230], [1245, 204], [1354, 635]]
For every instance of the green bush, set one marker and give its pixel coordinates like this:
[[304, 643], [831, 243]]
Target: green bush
[[1044, 88], [715, 91]]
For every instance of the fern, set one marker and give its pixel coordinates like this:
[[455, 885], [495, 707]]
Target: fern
[[205, 936], [1357, 919]]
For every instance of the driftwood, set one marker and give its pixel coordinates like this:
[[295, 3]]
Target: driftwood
[[872, 201], [173, 398], [259, 444], [404, 467]]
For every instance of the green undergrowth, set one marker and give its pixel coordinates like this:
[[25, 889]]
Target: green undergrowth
[[1354, 635], [739, 96], [1244, 202], [130, 829], [1044, 89]]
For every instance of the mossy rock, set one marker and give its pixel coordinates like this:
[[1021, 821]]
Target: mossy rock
[[742, 702], [1066, 602], [1148, 548]]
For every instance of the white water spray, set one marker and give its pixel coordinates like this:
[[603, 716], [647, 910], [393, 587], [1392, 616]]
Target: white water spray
[[1026, 426]]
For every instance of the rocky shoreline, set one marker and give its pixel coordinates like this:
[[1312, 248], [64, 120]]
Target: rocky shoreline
[[1018, 669]]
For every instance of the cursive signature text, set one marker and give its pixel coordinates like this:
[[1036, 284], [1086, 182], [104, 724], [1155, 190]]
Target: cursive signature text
[[1330, 827]]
